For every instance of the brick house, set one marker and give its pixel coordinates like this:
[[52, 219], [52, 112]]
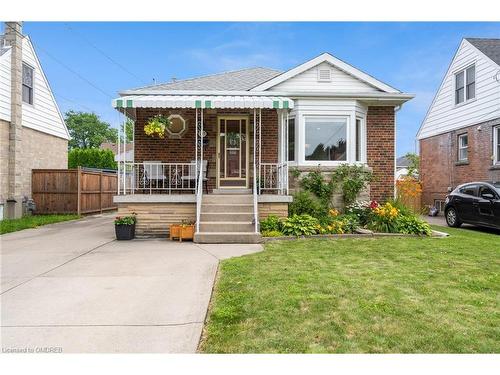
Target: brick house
[[32, 130], [250, 127], [460, 136]]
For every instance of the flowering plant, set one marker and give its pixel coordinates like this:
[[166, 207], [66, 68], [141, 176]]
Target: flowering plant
[[384, 218], [156, 126], [126, 220]]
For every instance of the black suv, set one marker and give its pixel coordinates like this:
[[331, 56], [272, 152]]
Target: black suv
[[474, 203]]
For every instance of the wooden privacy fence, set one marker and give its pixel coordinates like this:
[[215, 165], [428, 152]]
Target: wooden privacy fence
[[79, 191]]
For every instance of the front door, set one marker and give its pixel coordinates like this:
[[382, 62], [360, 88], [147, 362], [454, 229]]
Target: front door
[[232, 151]]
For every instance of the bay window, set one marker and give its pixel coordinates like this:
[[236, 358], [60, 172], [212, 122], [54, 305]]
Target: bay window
[[325, 138]]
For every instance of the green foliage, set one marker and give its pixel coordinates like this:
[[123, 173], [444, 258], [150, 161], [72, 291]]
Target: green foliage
[[129, 129], [300, 225], [87, 130], [414, 164], [92, 158], [352, 179], [413, 225], [306, 203], [271, 233], [315, 183], [32, 221], [361, 210], [125, 220], [156, 126], [295, 172], [270, 223]]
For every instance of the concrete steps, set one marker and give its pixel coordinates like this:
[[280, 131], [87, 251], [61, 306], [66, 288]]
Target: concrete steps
[[227, 218]]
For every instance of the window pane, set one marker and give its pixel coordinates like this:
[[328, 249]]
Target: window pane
[[471, 74], [27, 94], [471, 90], [462, 154], [325, 139], [27, 76], [459, 80], [464, 140], [459, 96], [358, 140], [291, 139]]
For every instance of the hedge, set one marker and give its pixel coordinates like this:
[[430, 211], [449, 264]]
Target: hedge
[[92, 158]]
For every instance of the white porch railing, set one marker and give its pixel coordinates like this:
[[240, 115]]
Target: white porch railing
[[199, 196], [156, 178], [273, 178]]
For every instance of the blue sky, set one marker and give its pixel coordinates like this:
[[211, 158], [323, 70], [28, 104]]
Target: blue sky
[[412, 57]]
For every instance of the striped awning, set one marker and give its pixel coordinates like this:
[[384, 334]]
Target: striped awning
[[185, 101]]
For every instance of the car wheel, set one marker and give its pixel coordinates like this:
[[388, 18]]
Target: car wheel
[[452, 218]]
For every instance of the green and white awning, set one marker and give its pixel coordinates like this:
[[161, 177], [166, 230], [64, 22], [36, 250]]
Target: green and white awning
[[206, 101]]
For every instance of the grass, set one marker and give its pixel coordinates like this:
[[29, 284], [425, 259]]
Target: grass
[[384, 295], [14, 225]]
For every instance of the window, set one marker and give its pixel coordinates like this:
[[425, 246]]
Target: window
[[463, 145], [471, 82], [291, 139], [325, 139], [465, 84], [469, 190], [177, 126], [27, 84], [486, 190], [496, 145], [358, 139]]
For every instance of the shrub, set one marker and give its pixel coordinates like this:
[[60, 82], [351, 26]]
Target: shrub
[[125, 220], [352, 180], [92, 158], [300, 225], [341, 224], [315, 183], [413, 225], [270, 223], [271, 233], [361, 210], [306, 203]]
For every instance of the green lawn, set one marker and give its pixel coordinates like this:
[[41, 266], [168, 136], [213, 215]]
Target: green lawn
[[7, 226], [384, 295]]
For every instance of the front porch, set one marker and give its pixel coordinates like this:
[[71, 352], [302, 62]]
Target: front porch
[[216, 146]]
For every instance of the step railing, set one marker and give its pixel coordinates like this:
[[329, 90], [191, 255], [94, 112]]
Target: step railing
[[273, 178], [199, 196]]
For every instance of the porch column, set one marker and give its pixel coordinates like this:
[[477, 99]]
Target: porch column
[[196, 123]]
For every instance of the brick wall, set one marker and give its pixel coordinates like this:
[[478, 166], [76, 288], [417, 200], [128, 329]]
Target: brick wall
[[182, 150], [380, 151], [439, 166]]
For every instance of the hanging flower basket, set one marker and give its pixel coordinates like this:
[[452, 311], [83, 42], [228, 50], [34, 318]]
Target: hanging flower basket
[[156, 126]]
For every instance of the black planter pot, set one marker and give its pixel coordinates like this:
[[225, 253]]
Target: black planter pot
[[125, 231]]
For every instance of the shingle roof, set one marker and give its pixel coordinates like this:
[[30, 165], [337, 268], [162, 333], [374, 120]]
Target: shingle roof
[[239, 80], [402, 161], [490, 47]]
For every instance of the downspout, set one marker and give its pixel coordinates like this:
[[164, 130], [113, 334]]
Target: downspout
[[396, 109]]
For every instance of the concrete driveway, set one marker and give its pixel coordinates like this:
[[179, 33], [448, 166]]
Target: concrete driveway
[[72, 287]]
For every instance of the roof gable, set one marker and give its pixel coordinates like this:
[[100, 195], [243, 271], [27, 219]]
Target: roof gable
[[340, 67], [52, 121], [443, 115]]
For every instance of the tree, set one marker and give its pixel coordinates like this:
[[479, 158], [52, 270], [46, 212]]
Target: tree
[[413, 164], [87, 130], [129, 130]]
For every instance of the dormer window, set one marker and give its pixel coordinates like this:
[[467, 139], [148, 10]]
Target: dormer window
[[324, 75], [465, 84]]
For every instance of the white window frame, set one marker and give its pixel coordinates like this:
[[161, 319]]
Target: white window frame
[[302, 137], [496, 145], [362, 140], [464, 71], [32, 88], [460, 147]]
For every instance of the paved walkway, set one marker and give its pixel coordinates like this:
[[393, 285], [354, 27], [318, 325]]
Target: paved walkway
[[72, 286]]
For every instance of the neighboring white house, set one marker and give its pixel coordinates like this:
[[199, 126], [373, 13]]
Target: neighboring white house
[[32, 130], [460, 135]]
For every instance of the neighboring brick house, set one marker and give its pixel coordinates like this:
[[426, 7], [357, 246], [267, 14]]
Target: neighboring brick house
[[460, 135], [255, 124], [32, 130]]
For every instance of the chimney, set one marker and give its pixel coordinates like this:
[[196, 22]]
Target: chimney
[[14, 38]]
